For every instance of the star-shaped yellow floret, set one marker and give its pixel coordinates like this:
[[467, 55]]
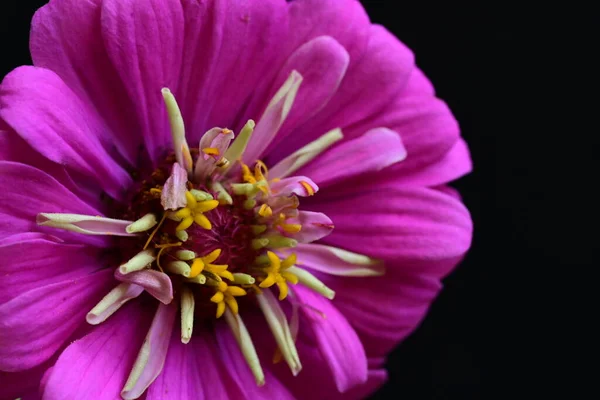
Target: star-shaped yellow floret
[[193, 212], [226, 295], [205, 263], [277, 274]]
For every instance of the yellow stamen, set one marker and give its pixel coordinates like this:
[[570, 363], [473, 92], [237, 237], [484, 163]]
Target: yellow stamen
[[197, 267], [292, 228], [186, 223], [265, 211]]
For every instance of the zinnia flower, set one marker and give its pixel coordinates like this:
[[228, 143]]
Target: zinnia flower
[[219, 199]]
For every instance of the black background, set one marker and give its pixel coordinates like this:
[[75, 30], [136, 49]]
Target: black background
[[502, 70]]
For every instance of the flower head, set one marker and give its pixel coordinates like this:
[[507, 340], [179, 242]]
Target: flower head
[[213, 188]]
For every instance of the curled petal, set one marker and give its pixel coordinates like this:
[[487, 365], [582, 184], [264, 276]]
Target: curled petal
[[314, 226], [86, 224], [173, 193], [275, 114], [298, 185], [335, 261], [213, 146], [151, 358], [375, 150], [112, 302], [244, 341], [307, 153], [154, 282], [281, 330]]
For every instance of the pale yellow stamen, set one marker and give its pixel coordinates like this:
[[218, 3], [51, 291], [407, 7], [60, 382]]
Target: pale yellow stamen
[[187, 314]]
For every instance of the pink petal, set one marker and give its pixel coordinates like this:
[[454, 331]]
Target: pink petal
[[36, 323], [428, 130], [66, 38], [294, 185], [96, 366], [315, 226], [193, 371], [31, 260], [14, 148], [375, 150], [345, 21], [384, 310], [173, 192], [37, 104], [156, 283], [373, 80], [152, 355], [337, 341], [14, 217], [322, 63], [455, 164], [419, 227], [242, 379], [144, 41], [230, 46], [376, 378], [273, 116]]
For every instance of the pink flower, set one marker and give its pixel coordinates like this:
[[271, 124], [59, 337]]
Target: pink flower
[[140, 195]]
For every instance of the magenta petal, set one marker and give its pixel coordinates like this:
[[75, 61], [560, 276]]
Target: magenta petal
[[154, 282], [96, 366], [152, 355], [426, 125], [66, 38], [384, 316], [14, 217], [241, 378], [337, 341], [193, 371], [375, 150], [230, 46], [453, 165], [315, 226], [372, 82], [23, 384], [38, 105], [144, 41], [412, 225], [36, 323], [31, 260], [173, 192], [322, 63], [14, 148]]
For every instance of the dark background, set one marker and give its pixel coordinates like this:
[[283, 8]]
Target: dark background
[[503, 70]]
